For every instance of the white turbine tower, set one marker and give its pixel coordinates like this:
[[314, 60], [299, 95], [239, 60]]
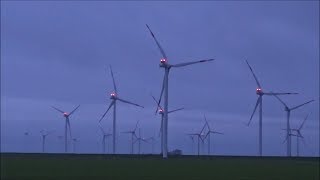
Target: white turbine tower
[[104, 138], [164, 64], [161, 112], [260, 93], [114, 97], [210, 131], [288, 110], [44, 134], [67, 125], [133, 135]]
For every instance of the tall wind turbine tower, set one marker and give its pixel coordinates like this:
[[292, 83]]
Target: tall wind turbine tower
[[161, 112], [114, 98], [164, 64], [260, 94]]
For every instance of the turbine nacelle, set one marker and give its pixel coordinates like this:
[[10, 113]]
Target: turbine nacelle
[[163, 62], [113, 96], [65, 114], [259, 91], [161, 111]]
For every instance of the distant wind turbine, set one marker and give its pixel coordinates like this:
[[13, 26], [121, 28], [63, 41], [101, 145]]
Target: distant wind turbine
[[288, 110], [199, 136], [67, 125], [114, 97], [133, 135], [298, 134], [192, 139], [139, 139], [104, 138], [260, 93], [153, 141], [164, 64], [44, 134], [74, 140], [210, 131]]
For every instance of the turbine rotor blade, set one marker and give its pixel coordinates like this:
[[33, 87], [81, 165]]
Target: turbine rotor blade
[[299, 134], [216, 132], [205, 118], [136, 126], [102, 130], [175, 110], [259, 86], [125, 101], [111, 104], [285, 140], [74, 110], [127, 132], [303, 122], [158, 44], [272, 93], [159, 107], [114, 82], [193, 62], [255, 108], [57, 109], [280, 100], [162, 89], [302, 104], [203, 128]]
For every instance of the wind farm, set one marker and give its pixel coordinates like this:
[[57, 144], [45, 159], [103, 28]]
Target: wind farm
[[168, 90]]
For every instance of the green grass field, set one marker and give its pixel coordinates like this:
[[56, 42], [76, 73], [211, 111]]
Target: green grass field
[[63, 166]]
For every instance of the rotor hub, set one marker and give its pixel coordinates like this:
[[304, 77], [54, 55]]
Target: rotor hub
[[113, 96], [259, 91]]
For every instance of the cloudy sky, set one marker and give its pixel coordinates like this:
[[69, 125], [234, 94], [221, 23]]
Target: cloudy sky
[[58, 53]]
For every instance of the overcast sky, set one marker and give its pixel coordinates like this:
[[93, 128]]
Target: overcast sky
[[58, 53]]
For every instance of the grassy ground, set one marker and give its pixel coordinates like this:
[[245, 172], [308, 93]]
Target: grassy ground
[[60, 166]]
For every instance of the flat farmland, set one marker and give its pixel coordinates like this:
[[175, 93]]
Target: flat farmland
[[153, 167]]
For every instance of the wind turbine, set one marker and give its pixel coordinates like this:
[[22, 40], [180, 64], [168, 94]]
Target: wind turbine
[[288, 110], [208, 134], [164, 64], [67, 125], [44, 135], [299, 135], [161, 112], [153, 141], [133, 134], [260, 93], [139, 139], [199, 136], [104, 138], [114, 98], [192, 139]]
